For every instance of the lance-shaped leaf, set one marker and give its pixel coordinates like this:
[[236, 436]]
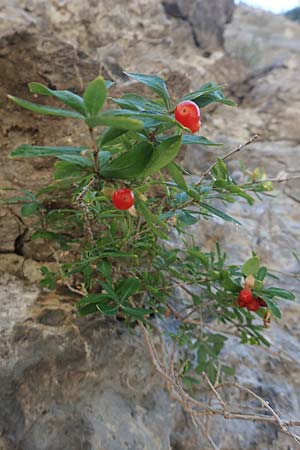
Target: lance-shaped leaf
[[176, 173], [130, 164], [29, 151], [200, 140], [155, 83], [153, 222], [163, 154], [115, 121], [218, 213], [251, 267], [95, 96], [46, 110], [207, 94], [67, 97]]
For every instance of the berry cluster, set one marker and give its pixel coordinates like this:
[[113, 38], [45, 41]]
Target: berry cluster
[[188, 114], [247, 300]]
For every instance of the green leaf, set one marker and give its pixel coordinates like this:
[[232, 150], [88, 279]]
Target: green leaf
[[251, 267], [110, 135], [261, 274], [49, 280], [220, 170], [207, 94], [111, 120], [108, 310], [67, 97], [189, 381], [153, 222], [227, 370], [109, 83], [29, 209], [43, 109], [94, 96], [28, 151], [77, 159], [94, 298], [201, 140], [139, 103], [104, 157], [155, 83], [219, 213], [272, 307], [163, 154], [281, 293], [128, 287], [228, 185], [136, 312], [129, 164], [185, 217], [177, 176], [66, 169]]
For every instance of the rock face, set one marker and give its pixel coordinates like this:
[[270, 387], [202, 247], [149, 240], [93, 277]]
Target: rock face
[[207, 20], [69, 383]]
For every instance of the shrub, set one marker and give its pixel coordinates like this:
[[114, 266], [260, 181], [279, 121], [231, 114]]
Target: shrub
[[126, 196]]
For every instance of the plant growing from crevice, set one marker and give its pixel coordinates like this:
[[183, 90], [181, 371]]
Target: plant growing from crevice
[[125, 197]]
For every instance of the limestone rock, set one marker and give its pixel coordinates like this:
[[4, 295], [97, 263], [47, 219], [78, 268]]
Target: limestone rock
[[68, 383]]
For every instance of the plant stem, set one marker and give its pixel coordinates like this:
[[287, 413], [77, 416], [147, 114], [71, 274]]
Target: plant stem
[[95, 151]]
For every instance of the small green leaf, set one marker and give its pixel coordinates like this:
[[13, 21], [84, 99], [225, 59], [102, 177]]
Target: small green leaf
[[29, 151], [261, 274], [94, 96], [272, 307], [111, 120], [207, 94], [155, 83], [219, 213], [30, 209], [163, 154], [251, 267], [77, 159], [189, 381], [139, 103], [110, 135], [185, 217], [281, 293], [153, 222], [201, 140], [176, 173], [104, 157], [227, 370], [67, 97], [109, 83], [136, 312], [66, 169], [130, 164], [128, 287], [43, 109], [220, 171]]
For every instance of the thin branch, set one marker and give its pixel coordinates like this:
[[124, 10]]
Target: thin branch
[[227, 156], [81, 203], [198, 409]]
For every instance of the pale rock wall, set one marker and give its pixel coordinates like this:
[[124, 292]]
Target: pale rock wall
[[68, 383]]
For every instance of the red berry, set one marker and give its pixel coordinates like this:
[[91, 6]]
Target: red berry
[[245, 297], [188, 114], [123, 198], [253, 305]]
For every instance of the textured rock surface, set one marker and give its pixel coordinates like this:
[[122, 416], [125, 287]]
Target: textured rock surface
[[68, 384]]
